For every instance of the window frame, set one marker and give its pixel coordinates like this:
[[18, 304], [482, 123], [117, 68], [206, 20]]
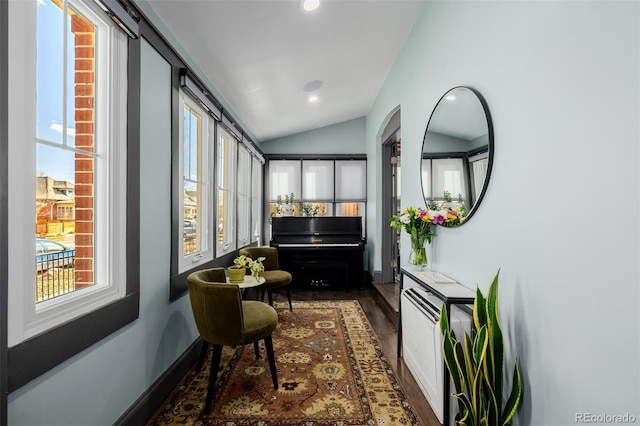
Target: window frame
[[229, 186], [206, 166], [331, 204], [244, 216], [47, 349], [427, 173]]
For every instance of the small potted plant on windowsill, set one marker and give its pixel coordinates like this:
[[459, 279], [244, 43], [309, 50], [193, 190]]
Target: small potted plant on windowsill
[[309, 210], [288, 208]]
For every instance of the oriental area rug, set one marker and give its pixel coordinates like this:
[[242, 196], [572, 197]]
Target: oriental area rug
[[331, 371]]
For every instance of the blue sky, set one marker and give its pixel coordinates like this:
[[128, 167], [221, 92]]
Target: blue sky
[[56, 163]]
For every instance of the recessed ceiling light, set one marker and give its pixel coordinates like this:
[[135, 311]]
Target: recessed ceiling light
[[450, 97], [313, 99], [312, 85], [310, 5]]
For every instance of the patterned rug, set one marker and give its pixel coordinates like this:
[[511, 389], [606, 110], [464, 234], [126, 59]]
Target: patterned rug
[[331, 371]]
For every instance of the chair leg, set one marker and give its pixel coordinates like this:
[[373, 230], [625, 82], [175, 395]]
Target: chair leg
[[256, 349], [272, 360], [203, 355], [289, 297], [270, 293], [213, 374]]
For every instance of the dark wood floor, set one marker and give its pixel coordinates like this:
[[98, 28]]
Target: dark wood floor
[[380, 303]]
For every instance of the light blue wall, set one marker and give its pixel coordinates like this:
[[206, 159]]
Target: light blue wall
[[347, 137], [98, 385], [560, 218]]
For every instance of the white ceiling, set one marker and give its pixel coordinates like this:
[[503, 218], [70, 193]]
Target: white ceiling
[[260, 54]]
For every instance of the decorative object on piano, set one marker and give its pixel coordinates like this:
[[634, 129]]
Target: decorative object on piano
[[480, 358], [417, 223], [288, 208], [284, 206], [310, 210], [241, 263]]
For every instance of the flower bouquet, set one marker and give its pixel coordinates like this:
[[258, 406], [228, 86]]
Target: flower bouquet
[[417, 223]]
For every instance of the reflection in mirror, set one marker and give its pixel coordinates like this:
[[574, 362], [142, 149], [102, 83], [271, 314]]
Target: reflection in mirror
[[457, 152]]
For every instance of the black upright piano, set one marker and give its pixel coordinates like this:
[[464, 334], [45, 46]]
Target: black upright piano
[[320, 251]]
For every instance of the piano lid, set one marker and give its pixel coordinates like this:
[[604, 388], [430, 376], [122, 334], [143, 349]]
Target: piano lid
[[331, 225]]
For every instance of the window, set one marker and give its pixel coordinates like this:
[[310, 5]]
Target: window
[[256, 198], [244, 196], [226, 171], [197, 130], [440, 175], [479, 166], [284, 179], [68, 181], [329, 187]]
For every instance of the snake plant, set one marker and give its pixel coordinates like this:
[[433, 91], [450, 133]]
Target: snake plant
[[475, 365]]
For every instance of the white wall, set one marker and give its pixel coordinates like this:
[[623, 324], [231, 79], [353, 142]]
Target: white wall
[[347, 137], [560, 218], [98, 385]]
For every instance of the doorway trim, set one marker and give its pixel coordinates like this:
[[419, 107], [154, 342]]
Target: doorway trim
[[388, 137]]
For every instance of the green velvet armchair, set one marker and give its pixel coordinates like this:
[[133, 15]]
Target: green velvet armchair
[[224, 319], [274, 277]]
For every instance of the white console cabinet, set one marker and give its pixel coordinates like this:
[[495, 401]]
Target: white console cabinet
[[422, 295]]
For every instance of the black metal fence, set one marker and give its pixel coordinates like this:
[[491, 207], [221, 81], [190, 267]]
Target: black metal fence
[[55, 275]]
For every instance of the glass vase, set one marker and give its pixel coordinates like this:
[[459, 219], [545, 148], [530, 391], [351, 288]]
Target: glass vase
[[418, 252]]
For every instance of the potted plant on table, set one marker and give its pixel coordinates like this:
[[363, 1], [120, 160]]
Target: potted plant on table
[[475, 365], [239, 268]]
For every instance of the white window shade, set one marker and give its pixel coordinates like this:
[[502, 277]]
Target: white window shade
[[351, 180], [426, 177], [448, 175], [317, 180], [284, 178]]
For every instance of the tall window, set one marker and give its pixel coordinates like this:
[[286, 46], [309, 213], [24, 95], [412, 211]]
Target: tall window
[[197, 130], [75, 169], [226, 172], [256, 199], [244, 196]]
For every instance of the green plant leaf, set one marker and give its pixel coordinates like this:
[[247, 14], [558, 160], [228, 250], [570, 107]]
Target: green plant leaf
[[514, 399], [479, 310], [444, 320], [465, 378], [465, 410], [450, 361], [496, 346], [493, 411]]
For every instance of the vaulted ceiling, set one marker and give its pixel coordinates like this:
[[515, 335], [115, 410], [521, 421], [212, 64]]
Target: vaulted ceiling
[[267, 58]]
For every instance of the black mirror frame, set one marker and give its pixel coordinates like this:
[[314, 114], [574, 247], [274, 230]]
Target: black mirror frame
[[491, 151]]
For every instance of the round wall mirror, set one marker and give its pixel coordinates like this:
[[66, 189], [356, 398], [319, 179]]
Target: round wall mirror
[[457, 153]]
